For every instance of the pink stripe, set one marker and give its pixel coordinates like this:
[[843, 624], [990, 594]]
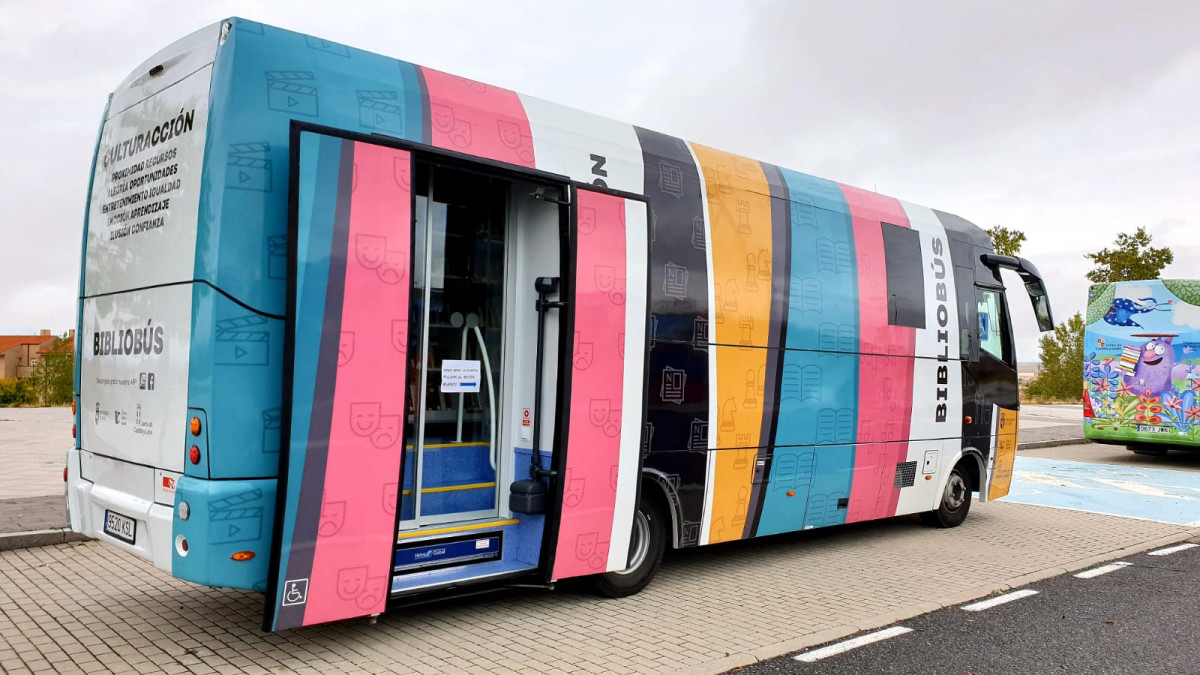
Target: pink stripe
[[885, 368], [478, 119], [352, 559], [594, 436]]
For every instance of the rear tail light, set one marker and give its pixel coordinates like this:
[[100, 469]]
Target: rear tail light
[[73, 431], [194, 454], [1087, 406], [64, 474]]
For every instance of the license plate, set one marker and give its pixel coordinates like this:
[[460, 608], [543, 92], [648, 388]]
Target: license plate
[[1148, 429], [119, 526]]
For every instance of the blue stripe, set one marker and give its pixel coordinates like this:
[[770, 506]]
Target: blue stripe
[[818, 398], [320, 157], [264, 79]]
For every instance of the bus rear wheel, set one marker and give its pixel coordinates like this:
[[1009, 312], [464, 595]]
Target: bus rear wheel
[[956, 501], [646, 545]]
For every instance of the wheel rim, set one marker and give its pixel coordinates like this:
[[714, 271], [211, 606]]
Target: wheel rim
[[639, 542], [956, 492]]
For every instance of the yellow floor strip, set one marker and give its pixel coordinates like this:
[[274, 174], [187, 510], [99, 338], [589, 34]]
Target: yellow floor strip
[[452, 488], [462, 444], [459, 528]]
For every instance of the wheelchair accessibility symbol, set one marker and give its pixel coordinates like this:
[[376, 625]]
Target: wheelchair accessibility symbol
[[295, 592]]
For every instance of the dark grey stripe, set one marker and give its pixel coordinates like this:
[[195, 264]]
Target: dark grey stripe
[[781, 264], [312, 482]]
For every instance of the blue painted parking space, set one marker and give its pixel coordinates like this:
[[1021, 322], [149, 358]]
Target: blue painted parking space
[[1152, 494]]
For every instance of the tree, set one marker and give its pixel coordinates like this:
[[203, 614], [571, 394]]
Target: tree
[[1133, 259], [1006, 241], [1061, 353], [15, 393], [53, 377]]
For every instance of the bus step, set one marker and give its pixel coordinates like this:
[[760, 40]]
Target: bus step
[[464, 549]]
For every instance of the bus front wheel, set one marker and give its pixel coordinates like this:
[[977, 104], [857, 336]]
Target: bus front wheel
[[956, 501], [646, 545]]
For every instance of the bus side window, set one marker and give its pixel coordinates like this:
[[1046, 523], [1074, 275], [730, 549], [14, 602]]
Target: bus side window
[[964, 281], [991, 323]]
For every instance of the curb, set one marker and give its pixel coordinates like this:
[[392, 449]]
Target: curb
[[1033, 445], [802, 642], [10, 541]]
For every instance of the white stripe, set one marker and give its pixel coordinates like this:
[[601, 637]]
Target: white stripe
[[853, 643], [710, 470], [999, 600], [565, 141], [631, 400], [935, 382], [1173, 549], [1112, 567]]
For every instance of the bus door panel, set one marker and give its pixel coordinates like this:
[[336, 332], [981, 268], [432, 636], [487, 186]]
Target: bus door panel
[[601, 473], [351, 244], [787, 492]]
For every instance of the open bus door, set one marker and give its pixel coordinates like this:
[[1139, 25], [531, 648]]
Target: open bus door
[[350, 252], [360, 420]]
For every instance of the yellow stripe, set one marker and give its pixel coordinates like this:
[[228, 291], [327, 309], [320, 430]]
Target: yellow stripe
[[459, 528], [452, 488], [1006, 453], [739, 214], [464, 444]]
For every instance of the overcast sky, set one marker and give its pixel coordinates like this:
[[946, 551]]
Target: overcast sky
[[1072, 121]]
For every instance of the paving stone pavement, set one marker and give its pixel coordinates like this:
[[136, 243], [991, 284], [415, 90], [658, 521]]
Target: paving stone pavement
[[33, 447], [26, 514], [88, 607]]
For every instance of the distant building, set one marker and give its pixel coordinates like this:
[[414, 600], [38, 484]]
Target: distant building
[[19, 353]]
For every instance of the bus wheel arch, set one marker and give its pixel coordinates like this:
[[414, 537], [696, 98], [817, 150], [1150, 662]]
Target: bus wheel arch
[[654, 528], [974, 469], [656, 485], [955, 497], [646, 546]]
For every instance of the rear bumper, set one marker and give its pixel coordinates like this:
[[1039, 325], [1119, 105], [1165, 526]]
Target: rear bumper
[[1115, 433], [224, 517], [87, 502]]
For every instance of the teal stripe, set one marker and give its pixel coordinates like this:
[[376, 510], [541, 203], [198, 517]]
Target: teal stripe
[[316, 201], [818, 399]]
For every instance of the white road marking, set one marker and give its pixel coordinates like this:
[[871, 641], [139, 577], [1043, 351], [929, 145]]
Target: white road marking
[[852, 643], [999, 600], [1046, 479], [1148, 490], [1173, 549], [1095, 572]]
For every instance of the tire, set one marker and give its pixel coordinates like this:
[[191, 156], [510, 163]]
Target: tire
[[956, 501], [1149, 450], [646, 546]]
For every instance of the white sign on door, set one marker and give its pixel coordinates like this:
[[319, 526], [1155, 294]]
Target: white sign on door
[[460, 377]]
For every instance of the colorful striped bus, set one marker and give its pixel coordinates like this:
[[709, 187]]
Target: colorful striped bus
[[354, 330]]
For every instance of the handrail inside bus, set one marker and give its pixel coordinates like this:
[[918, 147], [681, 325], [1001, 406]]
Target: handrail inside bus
[[471, 322]]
